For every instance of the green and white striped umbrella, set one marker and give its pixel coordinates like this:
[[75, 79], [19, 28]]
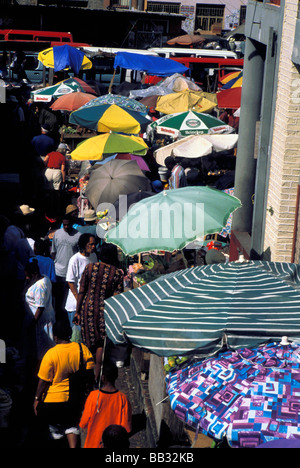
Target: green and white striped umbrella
[[191, 311], [189, 123]]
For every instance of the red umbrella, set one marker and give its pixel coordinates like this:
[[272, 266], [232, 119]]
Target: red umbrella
[[230, 98], [72, 101], [85, 86]]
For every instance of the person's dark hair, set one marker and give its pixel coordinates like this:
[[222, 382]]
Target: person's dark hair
[[110, 372], [83, 241], [115, 436], [32, 267], [62, 330], [41, 247], [109, 254], [170, 162]]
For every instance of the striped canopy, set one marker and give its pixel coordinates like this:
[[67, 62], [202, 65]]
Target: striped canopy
[[193, 310]]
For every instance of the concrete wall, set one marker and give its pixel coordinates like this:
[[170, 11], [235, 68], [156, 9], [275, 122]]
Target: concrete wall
[[285, 154]]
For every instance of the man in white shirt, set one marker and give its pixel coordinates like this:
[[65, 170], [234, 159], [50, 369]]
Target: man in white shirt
[[77, 264]]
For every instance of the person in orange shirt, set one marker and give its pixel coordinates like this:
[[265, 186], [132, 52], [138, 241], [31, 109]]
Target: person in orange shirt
[[105, 407]]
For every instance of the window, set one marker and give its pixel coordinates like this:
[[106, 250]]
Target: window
[[207, 15], [161, 7]]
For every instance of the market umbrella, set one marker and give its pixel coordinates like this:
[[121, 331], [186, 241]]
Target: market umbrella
[[248, 396], [229, 98], [109, 117], [189, 123], [72, 101], [64, 57], [184, 101], [122, 101], [172, 219], [97, 147], [113, 179], [194, 310], [187, 39], [195, 146], [133, 157], [70, 85], [234, 82]]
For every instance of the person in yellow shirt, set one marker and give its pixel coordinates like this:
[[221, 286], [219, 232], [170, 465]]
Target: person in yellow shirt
[[52, 394]]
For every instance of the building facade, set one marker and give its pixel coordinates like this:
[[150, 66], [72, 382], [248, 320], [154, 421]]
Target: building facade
[[268, 160]]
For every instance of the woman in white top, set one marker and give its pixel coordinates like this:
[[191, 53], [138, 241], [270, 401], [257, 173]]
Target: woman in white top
[[38, 298], [77, 264]]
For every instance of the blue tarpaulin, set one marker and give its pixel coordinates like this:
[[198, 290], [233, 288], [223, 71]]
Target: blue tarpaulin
[[149, 64], [67, 56]]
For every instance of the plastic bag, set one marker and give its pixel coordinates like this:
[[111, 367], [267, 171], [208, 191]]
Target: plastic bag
[[76, 334]]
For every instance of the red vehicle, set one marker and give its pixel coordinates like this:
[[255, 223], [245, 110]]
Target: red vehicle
[[53, 38], [208, 72]]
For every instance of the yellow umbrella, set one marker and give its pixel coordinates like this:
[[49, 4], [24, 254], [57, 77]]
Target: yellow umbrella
[[95, 148], [186, 100], [64, 57]]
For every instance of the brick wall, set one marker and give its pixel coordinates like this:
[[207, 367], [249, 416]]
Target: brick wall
[[285, 153]]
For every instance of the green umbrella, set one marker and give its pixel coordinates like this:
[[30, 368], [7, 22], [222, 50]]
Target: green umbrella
[[189, 123], [172, 219], [70, 85], [194, 309]]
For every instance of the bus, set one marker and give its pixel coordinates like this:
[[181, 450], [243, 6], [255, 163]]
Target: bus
[[172, 52]]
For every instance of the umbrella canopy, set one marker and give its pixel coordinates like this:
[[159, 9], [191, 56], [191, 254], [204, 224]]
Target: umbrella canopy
[[109, 117], [250, 396], [234, 82], [172, 219], [113, 179], [64, 57], [229, 98], [124, 203], [195, 146], [189, 123], [122, 101], [97, 147], [192, 310], [133, 157], [184, 101], [192, 146], [187, 39], [149, 64], [72, 101], [70, 85]]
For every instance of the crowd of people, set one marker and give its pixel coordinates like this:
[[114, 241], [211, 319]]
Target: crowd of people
[[55, 274]]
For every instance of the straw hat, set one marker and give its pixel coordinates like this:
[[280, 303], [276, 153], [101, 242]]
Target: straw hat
[[90, 215], [25, 210], [70, 209]]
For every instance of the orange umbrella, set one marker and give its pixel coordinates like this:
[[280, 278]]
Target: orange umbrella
[[71, 102], [187, 39]]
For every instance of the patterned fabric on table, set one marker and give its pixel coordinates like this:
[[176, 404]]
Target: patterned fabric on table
[[251, 396]]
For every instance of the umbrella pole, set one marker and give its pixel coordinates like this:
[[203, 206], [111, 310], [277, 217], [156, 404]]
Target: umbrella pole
[[184, 259], [111, 81]]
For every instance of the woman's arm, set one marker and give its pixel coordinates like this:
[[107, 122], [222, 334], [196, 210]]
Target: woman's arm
[[40, 394], [38, 313], [73, 289]]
